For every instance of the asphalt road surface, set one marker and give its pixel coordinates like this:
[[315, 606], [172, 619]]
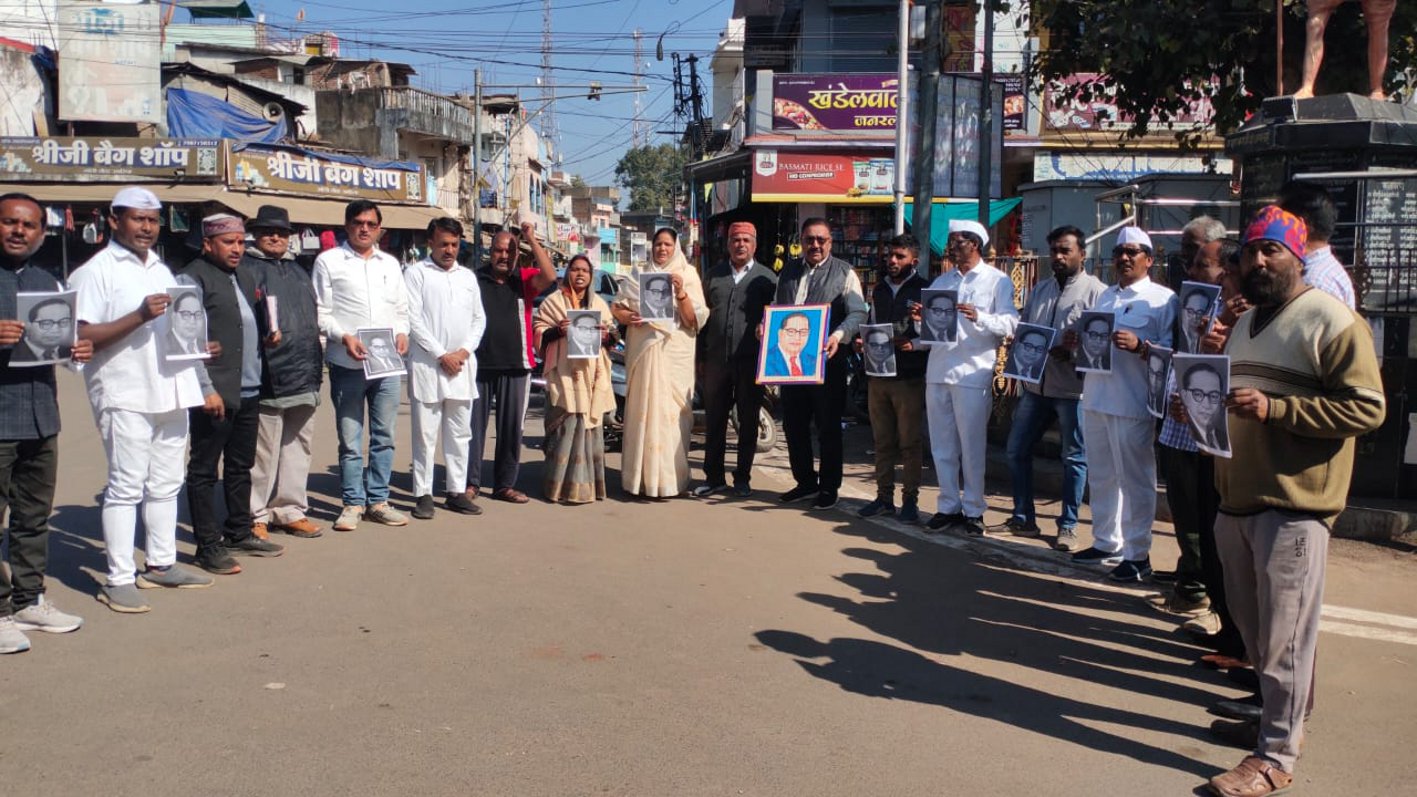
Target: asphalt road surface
[[682, 647]]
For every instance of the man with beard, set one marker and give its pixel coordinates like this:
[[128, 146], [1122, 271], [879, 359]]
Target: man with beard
[[1116, 426], [1304, 383], [736, 293], [228, 441], [959, 374], [819, 278], [1056, 302], [29, 436], [290, 386], [505, 358], [356, 285], [139, 401], [897, 403]]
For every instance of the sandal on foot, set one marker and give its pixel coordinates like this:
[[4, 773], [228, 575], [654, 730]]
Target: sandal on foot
[[1253, 777]]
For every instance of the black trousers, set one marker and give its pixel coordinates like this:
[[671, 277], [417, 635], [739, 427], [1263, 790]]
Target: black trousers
[[510, 395], [1194, 502], [803, 407], [725, 386], [231, 444], [27, 472]]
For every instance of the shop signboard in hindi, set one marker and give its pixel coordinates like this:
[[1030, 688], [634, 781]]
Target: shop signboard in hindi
[[109, 159], [292, 170], [796, 176], [835, 102]]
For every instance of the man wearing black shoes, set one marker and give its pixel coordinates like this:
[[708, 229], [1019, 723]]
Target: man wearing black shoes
[[819, 278]]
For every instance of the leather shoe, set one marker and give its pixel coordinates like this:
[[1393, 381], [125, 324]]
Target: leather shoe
[[1253, 777]]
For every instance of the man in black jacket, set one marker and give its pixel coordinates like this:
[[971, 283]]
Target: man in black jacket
[[228, 440], [29, 436], [819, 278], [290, 380], [897, 403], [736, 293]]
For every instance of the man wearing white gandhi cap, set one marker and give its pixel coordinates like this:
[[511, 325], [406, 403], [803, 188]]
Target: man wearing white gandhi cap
[[139, 401], [958, 376], [1117, 428]]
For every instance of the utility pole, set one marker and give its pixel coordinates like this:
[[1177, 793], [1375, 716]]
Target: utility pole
[[923, 157], [902, 116], [477, 168], [986, 117], [637, 129], [549, 132]]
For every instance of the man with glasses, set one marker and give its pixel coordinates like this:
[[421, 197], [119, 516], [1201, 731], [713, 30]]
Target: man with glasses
[[790, 356], [819, 278], [29, 435], [290, 380], [1117, 427], [49, 332], [1190, 484], [1056, 303], [1195, 309], [959, 375], [356, 285]]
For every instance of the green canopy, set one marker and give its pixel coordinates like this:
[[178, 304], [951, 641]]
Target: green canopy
[[216, 9], [943, 212]]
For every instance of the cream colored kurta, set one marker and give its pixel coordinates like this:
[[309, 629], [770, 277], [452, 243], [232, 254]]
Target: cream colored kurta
[[659, 365], [577, 387], [444, 314]]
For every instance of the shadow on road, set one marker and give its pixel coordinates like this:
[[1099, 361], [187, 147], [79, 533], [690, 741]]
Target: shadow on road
[[939, 606]]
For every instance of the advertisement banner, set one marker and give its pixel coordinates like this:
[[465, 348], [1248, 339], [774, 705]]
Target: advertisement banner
[[796, 176], [1015, 103], [957, 139], [105, 159], [834, 102], [111, 70], [273, 169], [1100, 112]]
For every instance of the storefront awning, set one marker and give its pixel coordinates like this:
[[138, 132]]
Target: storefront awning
[[941, 213], [302, 210]]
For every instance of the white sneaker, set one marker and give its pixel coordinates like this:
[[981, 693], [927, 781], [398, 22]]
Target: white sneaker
[[349, 519], [385, 514], [12, 640], [42, 616]]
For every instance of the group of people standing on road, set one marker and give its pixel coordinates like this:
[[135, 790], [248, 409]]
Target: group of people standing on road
[[1253, 528]]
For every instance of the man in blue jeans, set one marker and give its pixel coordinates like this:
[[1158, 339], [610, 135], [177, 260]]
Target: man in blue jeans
[[1057, 303], [357, 286]]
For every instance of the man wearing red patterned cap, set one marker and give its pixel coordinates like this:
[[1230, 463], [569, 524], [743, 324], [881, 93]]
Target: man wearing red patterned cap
[[227, 439], [736, 293], [1304, 383]]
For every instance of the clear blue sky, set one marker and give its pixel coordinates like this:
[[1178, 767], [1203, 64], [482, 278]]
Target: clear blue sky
[[446, 39]]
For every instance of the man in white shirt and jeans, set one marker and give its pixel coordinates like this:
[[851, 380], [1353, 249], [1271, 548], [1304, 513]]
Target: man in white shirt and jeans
[[139, 401], [446, 322], [356, 285], [959, 375]]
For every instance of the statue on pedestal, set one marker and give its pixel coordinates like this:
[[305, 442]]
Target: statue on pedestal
[[1376, 13]]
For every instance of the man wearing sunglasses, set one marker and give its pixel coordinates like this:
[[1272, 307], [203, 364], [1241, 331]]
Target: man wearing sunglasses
[[819, 278], [290, 386], [1117, 428]]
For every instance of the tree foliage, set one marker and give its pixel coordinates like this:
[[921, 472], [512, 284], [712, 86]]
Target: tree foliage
[[653, 174], [1159, 59]]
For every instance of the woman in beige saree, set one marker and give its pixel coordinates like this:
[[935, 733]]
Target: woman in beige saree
[[578, 392], [659, 367]]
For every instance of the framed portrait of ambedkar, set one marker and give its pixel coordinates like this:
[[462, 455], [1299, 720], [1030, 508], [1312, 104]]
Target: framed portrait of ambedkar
[[792, 347]]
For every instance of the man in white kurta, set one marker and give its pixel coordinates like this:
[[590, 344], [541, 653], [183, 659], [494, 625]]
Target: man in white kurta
[[446, 321], [1117, 428], [959, 376], [139, 401]]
